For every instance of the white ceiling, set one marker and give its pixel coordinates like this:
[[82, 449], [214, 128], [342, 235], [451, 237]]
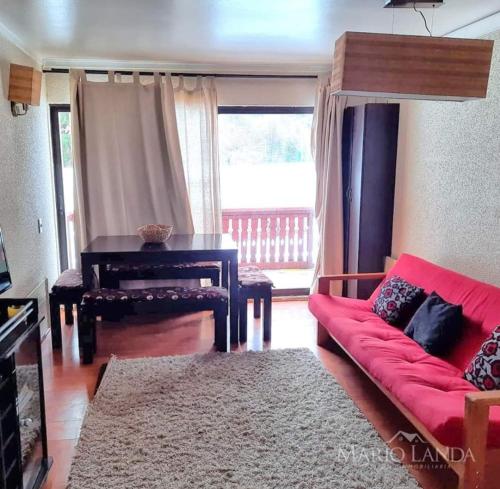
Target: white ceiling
[[265, 34]]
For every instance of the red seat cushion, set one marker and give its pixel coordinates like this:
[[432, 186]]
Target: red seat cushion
[[432, 389], [324, 306], [480, 302]]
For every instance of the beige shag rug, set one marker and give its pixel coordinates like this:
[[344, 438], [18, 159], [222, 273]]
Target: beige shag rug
[[253, 420]]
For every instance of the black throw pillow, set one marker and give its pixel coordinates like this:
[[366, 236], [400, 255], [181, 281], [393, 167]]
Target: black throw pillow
[[436, 326]]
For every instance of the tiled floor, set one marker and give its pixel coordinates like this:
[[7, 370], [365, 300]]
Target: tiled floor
[[70, 386]]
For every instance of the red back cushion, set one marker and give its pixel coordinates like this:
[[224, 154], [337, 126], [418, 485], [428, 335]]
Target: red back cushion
[[480, 301]]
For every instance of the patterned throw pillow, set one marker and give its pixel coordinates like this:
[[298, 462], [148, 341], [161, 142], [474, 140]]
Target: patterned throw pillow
[[398, 300], [484, 370]]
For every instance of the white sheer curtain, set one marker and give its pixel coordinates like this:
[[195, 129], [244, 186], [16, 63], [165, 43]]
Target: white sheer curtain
[[196, 108], [127, 157], [327, 152]]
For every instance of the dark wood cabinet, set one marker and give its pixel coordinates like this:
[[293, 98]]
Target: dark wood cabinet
[[24, 460], [369, 151], [10, 455]]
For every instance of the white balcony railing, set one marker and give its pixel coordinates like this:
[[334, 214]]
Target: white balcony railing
[[272, 238]]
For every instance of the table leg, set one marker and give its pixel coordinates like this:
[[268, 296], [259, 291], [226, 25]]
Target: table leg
[[104, 279], [55, 321], [268, 304], [224, 275], [87, 273], [243, 317], [233, 299], [106, 283]]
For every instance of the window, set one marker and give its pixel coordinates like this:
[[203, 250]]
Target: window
[[265, 157]]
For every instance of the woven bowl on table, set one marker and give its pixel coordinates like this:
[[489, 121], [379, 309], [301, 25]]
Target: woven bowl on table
[[155, 233]]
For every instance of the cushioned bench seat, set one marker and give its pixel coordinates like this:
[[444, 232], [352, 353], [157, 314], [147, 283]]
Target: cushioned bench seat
[[144, 267], [112, 274], [66, 291], [157, 294], [256, 285], [104, 301], [253, 277], [69, 280]]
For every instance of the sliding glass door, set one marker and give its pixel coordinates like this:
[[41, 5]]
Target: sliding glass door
[[60, 121], [268, 190]]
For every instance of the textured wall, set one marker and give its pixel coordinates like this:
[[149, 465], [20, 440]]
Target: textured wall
[[447, 205], [57, 88], [25, 185]]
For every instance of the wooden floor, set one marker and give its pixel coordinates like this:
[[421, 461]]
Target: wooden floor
[[70, 386]]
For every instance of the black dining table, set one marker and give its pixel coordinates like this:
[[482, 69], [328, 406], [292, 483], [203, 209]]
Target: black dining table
[[179, 248]]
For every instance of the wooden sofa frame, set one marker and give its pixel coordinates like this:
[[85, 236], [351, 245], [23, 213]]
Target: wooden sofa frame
[[472, 473]]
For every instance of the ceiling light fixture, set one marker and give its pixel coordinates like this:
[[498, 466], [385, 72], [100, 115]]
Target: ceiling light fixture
[[410, 3], [411, 67]]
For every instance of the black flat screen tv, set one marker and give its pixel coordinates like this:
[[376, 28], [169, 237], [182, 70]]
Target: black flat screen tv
[[5, 280]]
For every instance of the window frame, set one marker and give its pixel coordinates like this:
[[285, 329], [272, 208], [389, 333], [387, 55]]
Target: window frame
[[265, 109]]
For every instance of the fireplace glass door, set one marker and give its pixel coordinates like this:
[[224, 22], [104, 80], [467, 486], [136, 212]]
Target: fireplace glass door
[[29, 408]]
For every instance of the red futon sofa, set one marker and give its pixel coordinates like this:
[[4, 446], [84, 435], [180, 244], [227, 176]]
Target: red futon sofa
[[431, 392]]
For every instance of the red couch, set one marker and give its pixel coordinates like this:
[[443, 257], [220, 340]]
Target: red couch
[[430, 391]]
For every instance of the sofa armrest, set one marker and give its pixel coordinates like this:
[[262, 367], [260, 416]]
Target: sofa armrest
[[324, 282], [476, 421], [484, 398]]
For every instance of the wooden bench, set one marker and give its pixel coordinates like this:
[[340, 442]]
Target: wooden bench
[[256, 285], [111, 275], [67, 290], [104, 301]]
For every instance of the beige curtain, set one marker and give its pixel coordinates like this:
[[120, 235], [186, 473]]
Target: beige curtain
[[327, 153], [127, 158], [196, 108]]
